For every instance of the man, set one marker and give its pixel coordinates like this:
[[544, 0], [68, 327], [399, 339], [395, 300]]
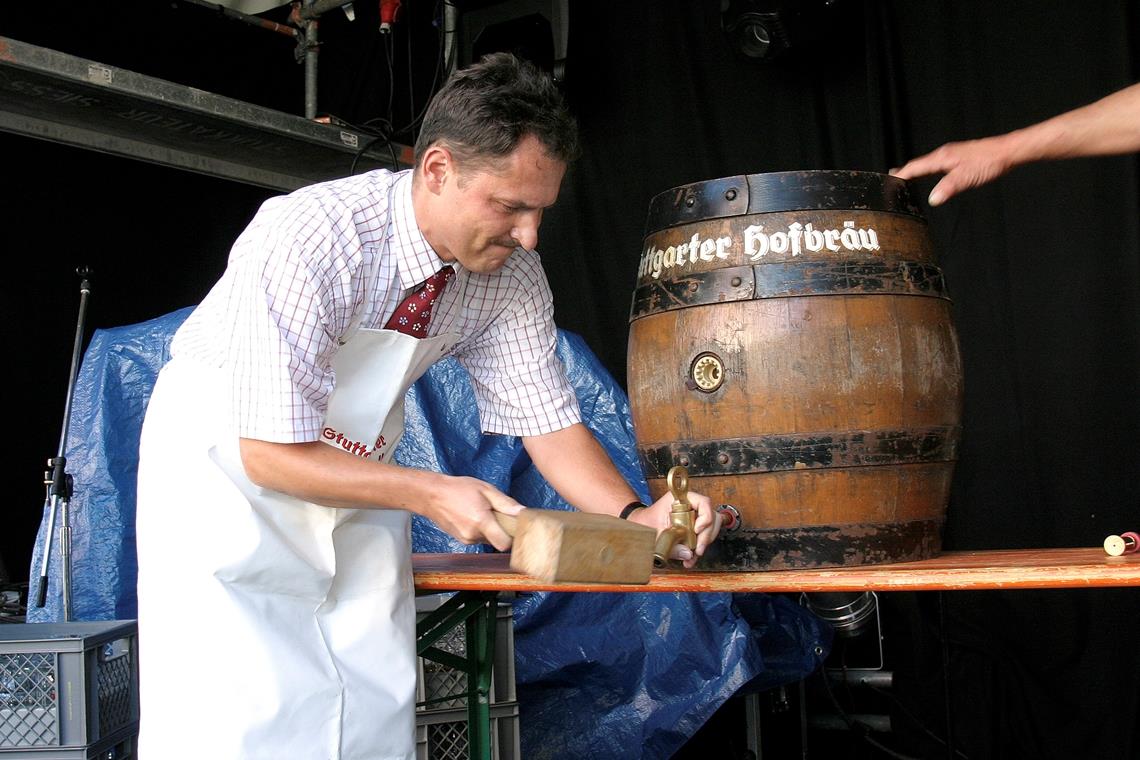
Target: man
[[275, 626]]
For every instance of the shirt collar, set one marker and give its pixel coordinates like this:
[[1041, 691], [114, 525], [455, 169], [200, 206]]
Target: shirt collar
[[416, 260]]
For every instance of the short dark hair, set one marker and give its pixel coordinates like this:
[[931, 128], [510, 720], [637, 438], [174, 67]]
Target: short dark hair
[[482, 112]]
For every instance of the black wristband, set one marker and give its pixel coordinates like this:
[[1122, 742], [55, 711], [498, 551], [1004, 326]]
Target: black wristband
[[631, 508]]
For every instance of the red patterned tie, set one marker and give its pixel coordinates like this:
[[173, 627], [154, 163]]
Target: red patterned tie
[[412, 315]]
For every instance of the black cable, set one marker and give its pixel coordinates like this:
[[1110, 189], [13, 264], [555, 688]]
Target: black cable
[[389, 54], [434, 80], [378, 125], [385, 130], [395, 160], [411, 83], [895, 700], [946, 678], [368, 144], [862, 730], [843, 668], [914, 718]]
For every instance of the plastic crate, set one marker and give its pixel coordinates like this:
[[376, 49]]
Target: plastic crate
[[69, 690], [442, 734], [441, 727]]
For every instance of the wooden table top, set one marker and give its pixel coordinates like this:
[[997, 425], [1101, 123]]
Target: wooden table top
[[976, 570]]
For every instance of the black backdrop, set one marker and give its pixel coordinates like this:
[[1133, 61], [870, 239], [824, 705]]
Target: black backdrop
[[1043, 265]]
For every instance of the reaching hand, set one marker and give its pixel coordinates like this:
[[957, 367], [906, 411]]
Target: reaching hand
[[1104, 128], [965, 164], [464, 508]]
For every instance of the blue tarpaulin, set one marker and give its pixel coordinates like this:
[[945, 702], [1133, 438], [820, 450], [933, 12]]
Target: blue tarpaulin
[[597, 673]]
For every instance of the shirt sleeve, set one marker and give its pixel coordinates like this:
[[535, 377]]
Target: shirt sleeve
[[520, 383], [290, 290]]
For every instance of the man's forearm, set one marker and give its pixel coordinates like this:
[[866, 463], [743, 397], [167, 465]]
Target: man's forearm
[[324, 475], [321, 474], [581, 471], [1109, 126], [578, 467]]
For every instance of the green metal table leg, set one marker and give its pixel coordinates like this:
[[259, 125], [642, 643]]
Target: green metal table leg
[[481, 655], [476, 610]]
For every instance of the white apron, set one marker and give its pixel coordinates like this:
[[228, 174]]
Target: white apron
[[271, 628]]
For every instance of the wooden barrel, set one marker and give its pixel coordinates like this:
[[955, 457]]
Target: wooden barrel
[[791, 344]]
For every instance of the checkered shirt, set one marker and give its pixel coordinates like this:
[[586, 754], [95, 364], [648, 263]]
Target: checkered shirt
[[298, 282]]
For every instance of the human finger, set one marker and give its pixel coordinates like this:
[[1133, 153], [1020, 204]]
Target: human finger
[[946, 188], [961, 178], [682, 553], [500, 502], [707, 527], [657, 515], [929, 163], [495, 532], [707, 536], [702, 505]]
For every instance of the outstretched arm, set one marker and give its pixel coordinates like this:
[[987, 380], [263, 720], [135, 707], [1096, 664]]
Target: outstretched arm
[[1110, 126]]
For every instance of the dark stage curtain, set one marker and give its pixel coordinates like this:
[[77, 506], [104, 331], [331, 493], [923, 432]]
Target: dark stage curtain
[[1043, 266]]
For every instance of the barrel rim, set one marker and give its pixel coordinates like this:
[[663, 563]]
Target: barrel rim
[[775, 192]]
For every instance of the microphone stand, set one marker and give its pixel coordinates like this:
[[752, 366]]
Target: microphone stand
[[56, 479]]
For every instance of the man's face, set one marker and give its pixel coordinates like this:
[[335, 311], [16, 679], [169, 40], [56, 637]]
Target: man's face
[[487, 213]]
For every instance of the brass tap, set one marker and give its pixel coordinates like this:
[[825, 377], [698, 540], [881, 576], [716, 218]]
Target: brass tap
[[681, 519]]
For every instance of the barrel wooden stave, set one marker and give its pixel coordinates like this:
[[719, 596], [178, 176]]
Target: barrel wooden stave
[[796, 365]]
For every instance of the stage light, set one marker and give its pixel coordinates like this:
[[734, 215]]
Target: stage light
[[756, 33], [768, 29]]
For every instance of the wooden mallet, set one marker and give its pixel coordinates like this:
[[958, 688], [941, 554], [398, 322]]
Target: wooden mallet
[[552, 545]]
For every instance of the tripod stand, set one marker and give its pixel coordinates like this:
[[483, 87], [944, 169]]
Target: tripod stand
[[56, 480]]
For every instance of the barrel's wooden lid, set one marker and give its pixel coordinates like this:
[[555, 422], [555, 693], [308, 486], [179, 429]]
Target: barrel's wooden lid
[[780, 191]]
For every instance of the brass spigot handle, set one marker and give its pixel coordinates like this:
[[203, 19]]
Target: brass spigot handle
[[681, 518], [678, 481]]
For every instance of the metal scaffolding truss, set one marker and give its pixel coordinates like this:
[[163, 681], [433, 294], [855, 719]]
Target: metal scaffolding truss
[[52, 96], [61, 98]]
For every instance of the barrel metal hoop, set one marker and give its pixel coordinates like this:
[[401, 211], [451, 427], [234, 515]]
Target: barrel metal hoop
[[775, 453], [698, 201], [780, 191], [790, 279], [822, 190], [761, 548]]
